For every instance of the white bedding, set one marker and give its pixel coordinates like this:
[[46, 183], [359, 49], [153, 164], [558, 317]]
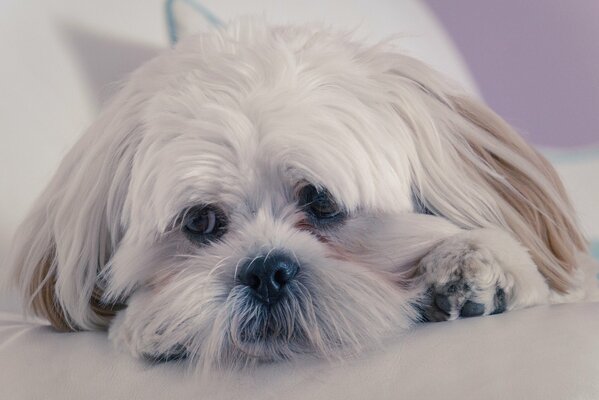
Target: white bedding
[[541, 353]]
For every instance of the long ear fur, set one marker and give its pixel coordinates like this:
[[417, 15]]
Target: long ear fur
[[474, 169], [533, 199], [70, 233]]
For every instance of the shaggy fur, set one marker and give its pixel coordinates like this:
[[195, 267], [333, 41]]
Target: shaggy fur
[[449, 211]]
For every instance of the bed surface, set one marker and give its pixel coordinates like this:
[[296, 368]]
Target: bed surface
[[540, 353]]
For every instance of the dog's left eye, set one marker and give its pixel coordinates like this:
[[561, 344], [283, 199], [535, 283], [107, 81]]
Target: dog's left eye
[[204, 223], [319, 203]]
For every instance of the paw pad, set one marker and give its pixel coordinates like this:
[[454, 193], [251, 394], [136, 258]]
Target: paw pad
[[458, 301]]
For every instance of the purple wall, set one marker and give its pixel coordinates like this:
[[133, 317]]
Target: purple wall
[[536, 63]]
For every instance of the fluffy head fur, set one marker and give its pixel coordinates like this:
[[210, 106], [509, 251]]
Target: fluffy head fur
[[241, 118]]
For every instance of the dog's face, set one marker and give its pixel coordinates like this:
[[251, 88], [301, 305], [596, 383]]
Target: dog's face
[[260, 192], [248, 172]]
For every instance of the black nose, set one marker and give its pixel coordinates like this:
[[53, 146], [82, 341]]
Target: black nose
[[267, 276]]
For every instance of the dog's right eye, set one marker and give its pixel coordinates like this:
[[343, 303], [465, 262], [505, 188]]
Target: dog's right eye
[[203, 224]]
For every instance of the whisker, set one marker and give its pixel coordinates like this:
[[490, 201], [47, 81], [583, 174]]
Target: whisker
[[295, 256], [268, 254], [218, 265], [237, 267]]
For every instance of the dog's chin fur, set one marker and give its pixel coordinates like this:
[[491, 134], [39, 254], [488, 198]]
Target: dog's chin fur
[[241, 118]]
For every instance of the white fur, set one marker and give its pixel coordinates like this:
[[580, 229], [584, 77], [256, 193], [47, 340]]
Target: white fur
[[239, 118]]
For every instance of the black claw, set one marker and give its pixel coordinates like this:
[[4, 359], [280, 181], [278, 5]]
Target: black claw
[[442, 301], [428, 310], [500, 302], [472, 309]]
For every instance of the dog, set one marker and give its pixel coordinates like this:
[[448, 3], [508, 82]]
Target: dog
[[264, 192]]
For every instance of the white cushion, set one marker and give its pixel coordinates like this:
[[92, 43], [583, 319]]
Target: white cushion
[[543, 353]]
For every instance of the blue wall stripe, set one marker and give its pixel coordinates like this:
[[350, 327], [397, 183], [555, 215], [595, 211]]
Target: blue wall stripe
[[173, 34]]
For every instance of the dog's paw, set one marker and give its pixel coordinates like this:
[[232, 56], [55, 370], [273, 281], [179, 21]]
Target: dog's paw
[[463, 279]]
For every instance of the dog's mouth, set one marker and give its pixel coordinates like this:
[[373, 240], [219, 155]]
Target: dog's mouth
[[269, 335], [252, 330]]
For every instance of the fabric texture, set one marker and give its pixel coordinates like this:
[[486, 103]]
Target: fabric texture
[[544, 353]]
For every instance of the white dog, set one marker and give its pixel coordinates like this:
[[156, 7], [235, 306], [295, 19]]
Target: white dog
[[261, 192]]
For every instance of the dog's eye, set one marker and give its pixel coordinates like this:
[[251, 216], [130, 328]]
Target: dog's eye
[[204, 223], [319, 203]]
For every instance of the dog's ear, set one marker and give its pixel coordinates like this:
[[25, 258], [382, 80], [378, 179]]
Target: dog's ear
[[530, 195], [69, 235], [474, 169]]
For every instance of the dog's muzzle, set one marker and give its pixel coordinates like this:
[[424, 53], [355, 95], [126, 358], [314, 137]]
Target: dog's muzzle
[[267, 276]]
